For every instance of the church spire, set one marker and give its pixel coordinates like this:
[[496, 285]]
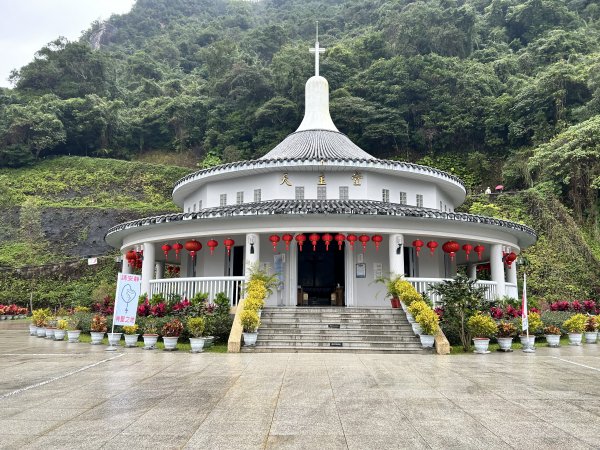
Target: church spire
[[316, 109]]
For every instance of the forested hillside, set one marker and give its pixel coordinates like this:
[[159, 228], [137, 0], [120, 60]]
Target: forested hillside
[[495, 91]]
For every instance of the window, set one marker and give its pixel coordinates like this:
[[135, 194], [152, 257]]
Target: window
[[343, 192], [223, 200], [403, 198], [257, 195], [239, 197], [299, 192], [441, 205], [420, 200], [321, 192], [385, 195]]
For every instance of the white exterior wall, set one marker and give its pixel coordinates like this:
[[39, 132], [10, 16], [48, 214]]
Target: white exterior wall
[[366, 291], [271, 188]]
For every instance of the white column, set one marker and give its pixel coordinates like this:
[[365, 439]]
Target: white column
[[350, 278], [396, 249], [292, 264], [159, 270], [126, 268], [512, 273], [472, 271], [148, 267], [497, 268], [252, 252]]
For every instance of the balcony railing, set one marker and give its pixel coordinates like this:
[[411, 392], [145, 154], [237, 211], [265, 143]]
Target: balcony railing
[[188, 287], [425, 285]]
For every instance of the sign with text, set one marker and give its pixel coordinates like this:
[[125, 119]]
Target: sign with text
[[129, 288]]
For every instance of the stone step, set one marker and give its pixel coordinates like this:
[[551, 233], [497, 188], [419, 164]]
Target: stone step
[[274, 349], [338, 338], [349, 344], [333, 332]]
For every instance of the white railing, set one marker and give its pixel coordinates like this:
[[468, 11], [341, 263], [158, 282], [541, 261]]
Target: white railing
[[425, 284], [188, 287], [512, 291]]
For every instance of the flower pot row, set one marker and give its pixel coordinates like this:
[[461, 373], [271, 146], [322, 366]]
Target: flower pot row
[[12, 317], [150, 340], [553, 340]]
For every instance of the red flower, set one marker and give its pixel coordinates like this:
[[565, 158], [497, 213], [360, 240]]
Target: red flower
[[158, 310], [576, 305], [512, 312], [496, 312]]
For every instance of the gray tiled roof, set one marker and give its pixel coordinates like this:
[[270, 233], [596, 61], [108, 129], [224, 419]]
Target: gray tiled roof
[[309, 207], [317, 144]]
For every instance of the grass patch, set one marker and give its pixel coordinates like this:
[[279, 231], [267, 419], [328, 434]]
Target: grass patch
[[181, 346], [539, 342]]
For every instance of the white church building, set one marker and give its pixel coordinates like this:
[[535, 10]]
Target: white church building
[[357, 217]]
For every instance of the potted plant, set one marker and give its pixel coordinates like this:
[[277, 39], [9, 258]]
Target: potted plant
[[482, 327], [114, 339], [415, 308], [392, 283], [98, 328], [429, 323], [504, 336], [73, 331], [50, 326], [575, 326], [591, 330], [254, 303], [32, 326], [535, 326], [150, 335], [131, 336], [61, 329], [195, 326], [552, 333], [408, 295], [250, 323], [170, 333]]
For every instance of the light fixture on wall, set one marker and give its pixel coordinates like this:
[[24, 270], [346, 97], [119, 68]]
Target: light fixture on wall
[[399, 245], [251, 241]]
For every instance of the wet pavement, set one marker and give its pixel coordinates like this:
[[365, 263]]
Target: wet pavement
[[61, 395]]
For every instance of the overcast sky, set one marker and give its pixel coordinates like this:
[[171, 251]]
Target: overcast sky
[[27, 25]]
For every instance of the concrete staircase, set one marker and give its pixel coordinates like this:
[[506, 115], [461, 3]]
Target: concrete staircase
[[330, 329]]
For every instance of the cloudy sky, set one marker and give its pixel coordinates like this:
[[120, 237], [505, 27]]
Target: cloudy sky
[[27, 25]]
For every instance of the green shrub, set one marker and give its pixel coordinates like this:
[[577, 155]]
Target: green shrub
[[429, 321], [506, 329], [250, 320], [576, 323], [416, 307], [482, 326], [130, 329], [195, 326]]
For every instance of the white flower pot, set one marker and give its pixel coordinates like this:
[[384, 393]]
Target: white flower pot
[[553, 340], [2, 317], [50, 333], [32, 330], [427, 340], [416, 328], [170, 342], [197, 344], [73, 336], [114, 339], [259, 312], [410, 318], [527, 342], [591, 337], [59, 335], [250, 339], [481, 345], [575, 338], [150, 341], [97, 337], [131, 340], [41, 332], [505, 343]]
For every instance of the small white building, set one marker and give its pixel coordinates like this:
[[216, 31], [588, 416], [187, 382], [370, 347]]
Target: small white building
[[318, 183]]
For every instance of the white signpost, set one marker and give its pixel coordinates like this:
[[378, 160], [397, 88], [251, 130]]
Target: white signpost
[[129, 289]]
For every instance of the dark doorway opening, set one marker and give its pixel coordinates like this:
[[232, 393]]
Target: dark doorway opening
[[321, 275], [238, 261]]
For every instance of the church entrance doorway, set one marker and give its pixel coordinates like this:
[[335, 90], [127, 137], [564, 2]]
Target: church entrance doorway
[[321, 275]]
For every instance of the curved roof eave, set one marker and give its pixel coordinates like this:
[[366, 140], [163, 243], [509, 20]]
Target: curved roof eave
[[305, 207]]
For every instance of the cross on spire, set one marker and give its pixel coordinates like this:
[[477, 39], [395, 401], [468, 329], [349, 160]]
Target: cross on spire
[[316, 50]]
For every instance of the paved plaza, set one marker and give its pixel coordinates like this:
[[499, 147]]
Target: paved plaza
[[75, 396]]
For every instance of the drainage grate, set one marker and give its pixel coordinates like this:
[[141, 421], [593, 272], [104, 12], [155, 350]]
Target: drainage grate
[[336, 344], [334, 325]]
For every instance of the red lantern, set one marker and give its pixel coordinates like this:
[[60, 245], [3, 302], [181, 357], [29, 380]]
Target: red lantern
[[451, 247], [301, 239], [287, 238], [418, 245], [364, 239], [479, 250], [377, 239], [274, 240], [177, 247], [352, 239], [314, 238], [212, 244], [228, 244], [327, 238], [166, 249], [510, 258], [467, 248], [340, 238], [432, 245], [193, 246]]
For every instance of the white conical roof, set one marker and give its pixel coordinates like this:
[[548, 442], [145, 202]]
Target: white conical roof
[[316, 109]]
